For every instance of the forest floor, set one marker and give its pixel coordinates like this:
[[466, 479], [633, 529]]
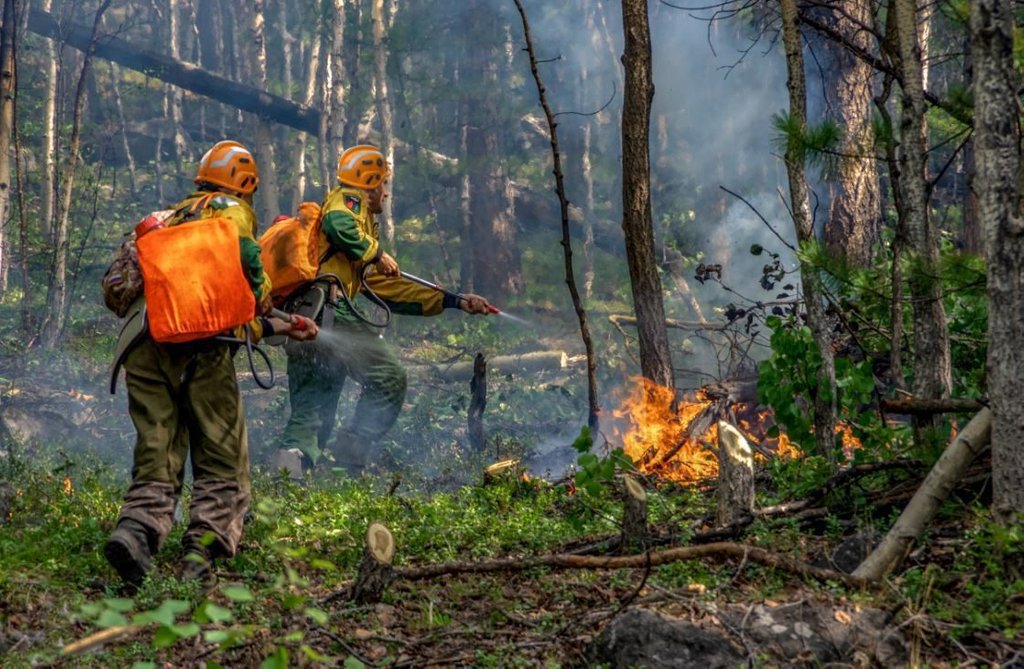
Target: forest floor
[[284, 599]]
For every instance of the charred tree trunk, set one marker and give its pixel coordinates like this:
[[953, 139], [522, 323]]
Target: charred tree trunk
[[997, 141], [825, 394], [477, 404], [655, 356]]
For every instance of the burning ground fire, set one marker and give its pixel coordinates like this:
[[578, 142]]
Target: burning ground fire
[[675, 440]]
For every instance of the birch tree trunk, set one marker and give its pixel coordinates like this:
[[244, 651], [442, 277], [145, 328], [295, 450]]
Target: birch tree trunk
[[932, 372], [57, 294], [384, 115], [302, 166], [655, 356], [8, 89], [997, 136], [48, 196], [176, 98], [264, 148], [825, 395], [336, 101]]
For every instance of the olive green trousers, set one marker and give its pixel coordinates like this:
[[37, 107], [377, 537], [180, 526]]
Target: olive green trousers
[[184, 400], [316, 375]]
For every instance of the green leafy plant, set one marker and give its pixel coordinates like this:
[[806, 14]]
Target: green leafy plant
[[597, 472]]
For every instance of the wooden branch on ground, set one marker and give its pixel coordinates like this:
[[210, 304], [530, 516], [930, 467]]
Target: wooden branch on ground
[[107, 635], [376, 570], [477, 404], [634, 516], [918, 407], [621, 319], [947, 471], [535, 361], [636, 561]]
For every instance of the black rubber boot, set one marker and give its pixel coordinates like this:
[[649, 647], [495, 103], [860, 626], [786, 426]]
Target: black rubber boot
[[127, 551], [197, 565]]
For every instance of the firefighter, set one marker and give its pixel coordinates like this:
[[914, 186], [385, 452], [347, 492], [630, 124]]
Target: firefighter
[[349, 242], [184, 400]]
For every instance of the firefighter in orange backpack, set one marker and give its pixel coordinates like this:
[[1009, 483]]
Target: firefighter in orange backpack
[[184, 400], [348, 242]]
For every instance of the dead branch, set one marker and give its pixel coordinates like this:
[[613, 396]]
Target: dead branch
[[621, 319], [99, 638], [937, 486], [925, 407], [636, 561]]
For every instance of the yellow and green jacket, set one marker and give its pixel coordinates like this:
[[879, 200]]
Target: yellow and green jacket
[[349, 241]]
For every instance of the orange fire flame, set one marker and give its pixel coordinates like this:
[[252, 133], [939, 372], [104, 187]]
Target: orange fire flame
[[662, 438]]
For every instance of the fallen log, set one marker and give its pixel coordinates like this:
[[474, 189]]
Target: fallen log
[[107, 635], [940, 482], [635, 561], [621, 319], [523, 363], [927, 407]]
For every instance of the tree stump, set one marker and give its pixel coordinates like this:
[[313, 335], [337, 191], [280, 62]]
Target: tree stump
[[735, 476], [477, 404], [634, 517], [375, 571]]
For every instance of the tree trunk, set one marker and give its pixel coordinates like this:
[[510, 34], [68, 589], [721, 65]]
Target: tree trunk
[[383, 105], [48, 196], [855, 208], [997, 142], [825, 394], [655, 356], [477, 404], [177, 99], [336, 100], [8, 90], [493, 234], [932, 372], [635, 533], [302, 166], [351, 57], [57, 295], [263, 151]]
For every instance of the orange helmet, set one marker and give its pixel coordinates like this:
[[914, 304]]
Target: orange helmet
[[229, 164], [363, 167]]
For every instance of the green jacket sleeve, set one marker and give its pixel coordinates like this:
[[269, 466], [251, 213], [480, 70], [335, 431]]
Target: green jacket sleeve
[[347, 236]]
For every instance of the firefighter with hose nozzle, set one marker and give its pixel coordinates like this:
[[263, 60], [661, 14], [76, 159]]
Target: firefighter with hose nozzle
[[188, 284], [349, 250]]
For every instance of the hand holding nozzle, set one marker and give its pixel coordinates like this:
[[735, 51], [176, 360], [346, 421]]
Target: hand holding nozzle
[[293, 326]]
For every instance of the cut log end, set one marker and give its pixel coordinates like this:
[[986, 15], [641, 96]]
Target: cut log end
[[375, 570], [634, 515], [735, 476]]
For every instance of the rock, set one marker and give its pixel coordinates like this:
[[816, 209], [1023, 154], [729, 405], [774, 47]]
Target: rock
[[808, 634], [642, 638]]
